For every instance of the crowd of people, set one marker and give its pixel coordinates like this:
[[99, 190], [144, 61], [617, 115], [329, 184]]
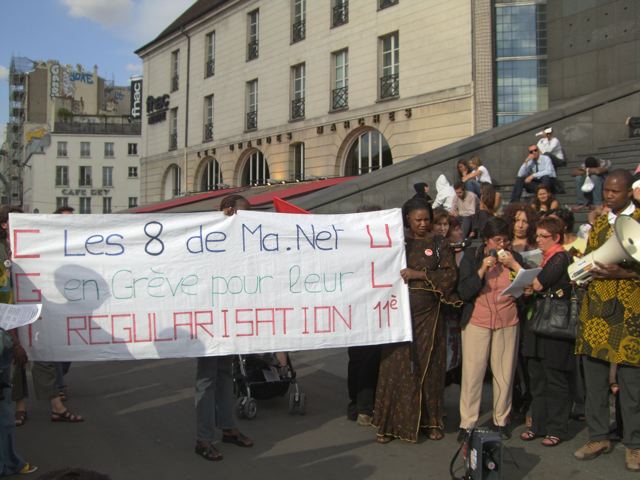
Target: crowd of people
[[551, 380], [461, 255]]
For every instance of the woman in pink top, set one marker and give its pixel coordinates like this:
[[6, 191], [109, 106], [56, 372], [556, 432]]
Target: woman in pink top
[[489, 325]]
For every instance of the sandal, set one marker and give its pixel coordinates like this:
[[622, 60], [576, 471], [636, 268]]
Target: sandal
[[20, 417], [435, 433], [550, 441], [384, 439], [237, 439], [208, 452], [66, 416], [27, 468], [527, 436]]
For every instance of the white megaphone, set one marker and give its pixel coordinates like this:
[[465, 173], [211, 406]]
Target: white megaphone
[[624, 244]]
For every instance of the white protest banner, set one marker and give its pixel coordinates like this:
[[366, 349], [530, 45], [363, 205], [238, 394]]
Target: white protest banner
[[197, 284]]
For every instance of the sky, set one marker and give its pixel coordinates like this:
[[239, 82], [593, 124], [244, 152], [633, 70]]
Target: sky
[[86, 32]]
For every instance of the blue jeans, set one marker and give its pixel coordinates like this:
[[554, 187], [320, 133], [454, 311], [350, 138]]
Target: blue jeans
[[10, 461], [472, 186], [595, 196], [214, 396]]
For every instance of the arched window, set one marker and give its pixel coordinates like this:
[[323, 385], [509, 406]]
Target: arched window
[[173, 182], [211, 178], [369, 152], [256, 169]]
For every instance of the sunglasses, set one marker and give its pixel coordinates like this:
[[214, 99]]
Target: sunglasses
[[533, 151]]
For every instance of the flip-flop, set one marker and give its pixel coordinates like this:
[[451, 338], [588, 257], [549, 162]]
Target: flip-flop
[[550, 441], [238, 439], [527, 436]]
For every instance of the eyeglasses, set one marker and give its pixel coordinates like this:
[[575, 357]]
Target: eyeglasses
[[541, 235], [533, 151], [499, 240]]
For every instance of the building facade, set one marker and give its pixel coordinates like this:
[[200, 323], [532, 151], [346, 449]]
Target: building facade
[[72, 141], [246, 92]]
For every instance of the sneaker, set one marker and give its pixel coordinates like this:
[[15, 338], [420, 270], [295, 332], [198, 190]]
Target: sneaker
[[363, 419], [632, 459], [28, 468], [592, 449]]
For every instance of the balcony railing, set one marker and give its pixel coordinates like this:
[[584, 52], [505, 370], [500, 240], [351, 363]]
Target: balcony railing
[[390, 86], [175, 83], [211, 67], [99, 125], [387, 3], [298, 31], [340, 98], [252, 120], [252, 50], [341, 14], [173, 141], [208, 132], [297, 108]]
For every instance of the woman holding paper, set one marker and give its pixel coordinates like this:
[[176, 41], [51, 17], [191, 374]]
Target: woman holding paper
[[411, 380], [550, 361], [489, 325]]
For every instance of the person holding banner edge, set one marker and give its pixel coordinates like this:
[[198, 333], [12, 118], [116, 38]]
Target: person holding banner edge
[[410, 390], [214, 384]]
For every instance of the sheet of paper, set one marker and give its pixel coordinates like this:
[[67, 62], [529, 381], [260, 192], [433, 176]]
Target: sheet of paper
[[14, 316], [523, 279]]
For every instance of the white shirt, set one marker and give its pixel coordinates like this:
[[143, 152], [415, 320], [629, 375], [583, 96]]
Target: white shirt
[[484, 176], [551, 146], [627, 211], [544, 168]]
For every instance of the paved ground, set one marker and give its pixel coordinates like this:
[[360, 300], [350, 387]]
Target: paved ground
[[140, 424]]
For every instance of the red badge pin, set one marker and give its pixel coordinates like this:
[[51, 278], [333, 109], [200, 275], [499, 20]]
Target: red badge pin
[[428, 252]]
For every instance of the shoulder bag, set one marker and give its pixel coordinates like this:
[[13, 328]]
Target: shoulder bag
[[556, 317]]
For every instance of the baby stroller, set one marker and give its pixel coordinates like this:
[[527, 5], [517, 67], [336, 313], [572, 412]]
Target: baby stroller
[[260, 377]]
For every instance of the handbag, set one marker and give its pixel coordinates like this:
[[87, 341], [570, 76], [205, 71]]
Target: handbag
[[588, 185], [556, 317]]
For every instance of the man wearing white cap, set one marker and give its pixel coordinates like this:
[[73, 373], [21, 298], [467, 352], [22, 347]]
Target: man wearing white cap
[[550, 146]]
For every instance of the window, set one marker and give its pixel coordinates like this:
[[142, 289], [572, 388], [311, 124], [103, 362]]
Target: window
[[132, 149], [133, 202], [386, 3], [106, 204], [173, 182], [340, 92], [211, 176], [62, 149], [173, 129], [208, 118], [133, 172], [62, 202], [252, 105], [62, 176], [85, 177], [252, 34], [299, 8], [340, 13], [298, 161], [85, 204], [175, 69], [390, 79], [108, 150], [369, 152], [107, 176], [297, 91], [210, 54], [256, 169], [520, 60], [85, 149]]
